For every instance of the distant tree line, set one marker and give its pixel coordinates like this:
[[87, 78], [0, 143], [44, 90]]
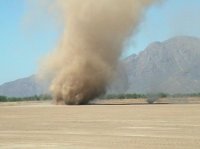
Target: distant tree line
[[133, 96], [158, 95], [31, 98], [186, 95], [123, 96], [150, 98]]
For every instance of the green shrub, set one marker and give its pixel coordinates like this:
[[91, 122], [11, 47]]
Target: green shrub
[[163, 95], [3, 98]]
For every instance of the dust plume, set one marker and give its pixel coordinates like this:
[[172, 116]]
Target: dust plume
[[94, 35]]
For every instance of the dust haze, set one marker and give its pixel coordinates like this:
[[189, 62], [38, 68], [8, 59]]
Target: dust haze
[[86, 58]]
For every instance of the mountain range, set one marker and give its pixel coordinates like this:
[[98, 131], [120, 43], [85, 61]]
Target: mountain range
[[171, 66]]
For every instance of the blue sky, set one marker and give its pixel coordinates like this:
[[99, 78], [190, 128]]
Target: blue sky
[[23, 44]]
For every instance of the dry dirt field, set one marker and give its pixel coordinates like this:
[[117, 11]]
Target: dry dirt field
[[139, 126]]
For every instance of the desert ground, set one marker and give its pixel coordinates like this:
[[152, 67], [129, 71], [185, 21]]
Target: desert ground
[[101, 126]]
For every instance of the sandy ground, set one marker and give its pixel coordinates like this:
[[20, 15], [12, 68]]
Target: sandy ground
[[45, 126]]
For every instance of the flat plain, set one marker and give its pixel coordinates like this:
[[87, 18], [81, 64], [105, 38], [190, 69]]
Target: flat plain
[[137, 126]]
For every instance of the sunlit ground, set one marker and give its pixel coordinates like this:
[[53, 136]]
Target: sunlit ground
[[30, 125]]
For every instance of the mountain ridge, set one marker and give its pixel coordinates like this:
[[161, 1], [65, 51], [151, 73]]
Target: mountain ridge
[[171, 66]]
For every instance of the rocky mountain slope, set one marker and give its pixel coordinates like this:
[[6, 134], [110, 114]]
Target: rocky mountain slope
[[23, 87], [172, 66]]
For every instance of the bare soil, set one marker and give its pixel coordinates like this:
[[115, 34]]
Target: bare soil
[[33, 125]]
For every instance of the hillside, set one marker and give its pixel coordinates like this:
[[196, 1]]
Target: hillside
[[171, 66], [22, 87]]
